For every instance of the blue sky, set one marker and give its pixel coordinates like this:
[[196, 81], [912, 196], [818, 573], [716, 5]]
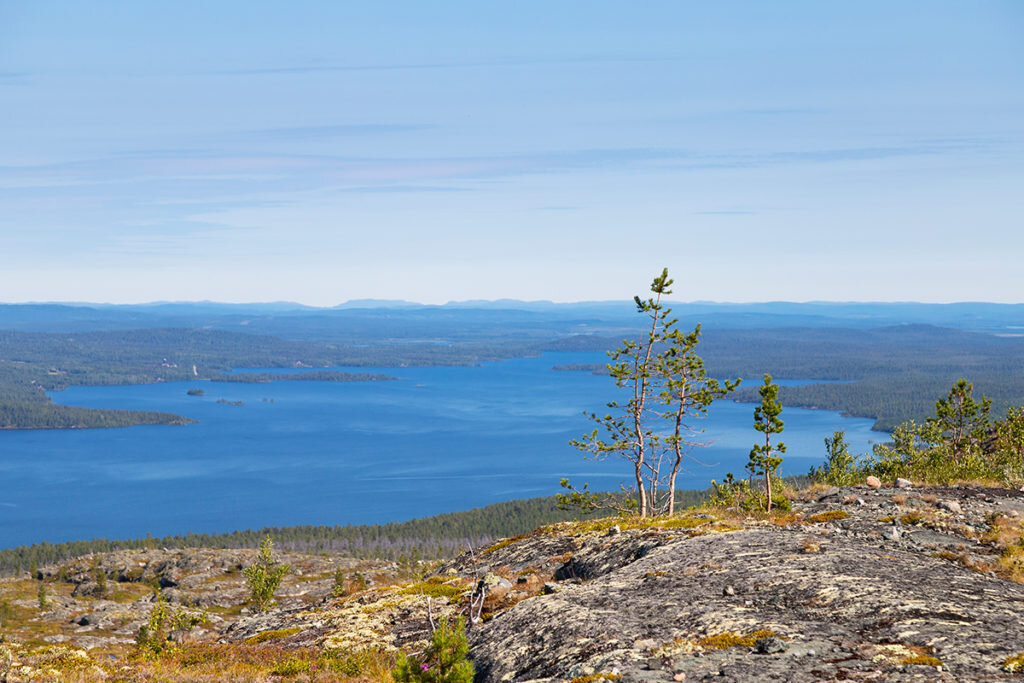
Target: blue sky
[[325, 151]]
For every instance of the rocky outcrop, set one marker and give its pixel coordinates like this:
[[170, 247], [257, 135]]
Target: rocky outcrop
[[857, 583], [833, 599]]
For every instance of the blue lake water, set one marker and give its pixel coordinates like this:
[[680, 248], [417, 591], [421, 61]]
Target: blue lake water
[[441, 439]]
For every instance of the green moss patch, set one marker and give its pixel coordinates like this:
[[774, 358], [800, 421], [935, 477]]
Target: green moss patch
[[828, 516], [272, 635]]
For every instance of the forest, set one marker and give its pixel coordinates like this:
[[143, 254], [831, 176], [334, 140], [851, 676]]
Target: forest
[[434, 537], [887, 373], [890, 374]]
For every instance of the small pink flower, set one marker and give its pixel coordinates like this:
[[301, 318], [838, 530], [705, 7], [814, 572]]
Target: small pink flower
[[424, 667]]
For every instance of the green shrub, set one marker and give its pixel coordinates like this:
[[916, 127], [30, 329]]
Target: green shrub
[[444, 660], [152, 639], [840, 467], [264, 576]]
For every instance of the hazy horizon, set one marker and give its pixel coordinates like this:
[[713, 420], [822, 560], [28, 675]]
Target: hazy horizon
[[467, 302]]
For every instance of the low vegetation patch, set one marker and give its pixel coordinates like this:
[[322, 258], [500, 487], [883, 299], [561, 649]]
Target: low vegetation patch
[[272, 635], [1014, 664], [434, 587], [827, 516], [718, 641], [723, 641], [599, 676]]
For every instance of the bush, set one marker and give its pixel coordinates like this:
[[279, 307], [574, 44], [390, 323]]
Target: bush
[[264, 576], [840, 468], [444, 660], [153, 638]]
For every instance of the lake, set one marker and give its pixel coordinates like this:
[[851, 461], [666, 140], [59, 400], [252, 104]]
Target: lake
[[439, 440]]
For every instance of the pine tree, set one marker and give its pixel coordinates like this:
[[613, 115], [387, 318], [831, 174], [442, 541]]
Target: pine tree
[[765, 458], [264, 576], [960, 422], [444, 660], [666, 382]]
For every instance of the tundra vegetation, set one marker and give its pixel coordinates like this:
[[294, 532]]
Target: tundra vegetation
[[264, 576], [667, 387], [959, 443], [443, 661]]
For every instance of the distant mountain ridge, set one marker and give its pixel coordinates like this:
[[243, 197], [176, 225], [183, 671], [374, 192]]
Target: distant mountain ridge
[[552, 316]]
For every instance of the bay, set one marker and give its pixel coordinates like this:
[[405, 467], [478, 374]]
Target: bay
[[438, 440]]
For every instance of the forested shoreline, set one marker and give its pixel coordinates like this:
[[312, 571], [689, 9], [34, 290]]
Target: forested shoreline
[[888, 373]]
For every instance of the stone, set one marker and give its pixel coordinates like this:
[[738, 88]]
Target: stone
[[951, 506], [860, 502], [873, 482], [729, 590], [892, 533], [770, 645], [679, 676], [492, 581], [902, 483], [550, 588]]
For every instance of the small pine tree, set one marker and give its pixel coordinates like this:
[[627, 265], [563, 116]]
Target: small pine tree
[[152, 640], [840, 468], [264, 576], [960, 424], [765, 458], [444, 660], [41, 595]]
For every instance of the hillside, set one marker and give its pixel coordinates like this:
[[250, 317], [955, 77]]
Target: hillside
[[854, 584]]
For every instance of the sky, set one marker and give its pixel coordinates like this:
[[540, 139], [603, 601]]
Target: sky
[[318, 152]]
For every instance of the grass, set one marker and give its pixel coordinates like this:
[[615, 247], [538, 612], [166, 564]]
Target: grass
[[215, 662]]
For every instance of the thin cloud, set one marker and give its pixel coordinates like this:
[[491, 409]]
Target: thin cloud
[[420, 174], [329, 68], [343, 130]]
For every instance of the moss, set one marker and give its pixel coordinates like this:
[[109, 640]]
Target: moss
[[1014, 664], [912, 518], [434, 587], [886, 520], [684, 523], [649, 575], [926, 660], [947, 555], [684, 520], [498, 545], [828, 516], [599, 676], [272, 635], [723, 641]]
